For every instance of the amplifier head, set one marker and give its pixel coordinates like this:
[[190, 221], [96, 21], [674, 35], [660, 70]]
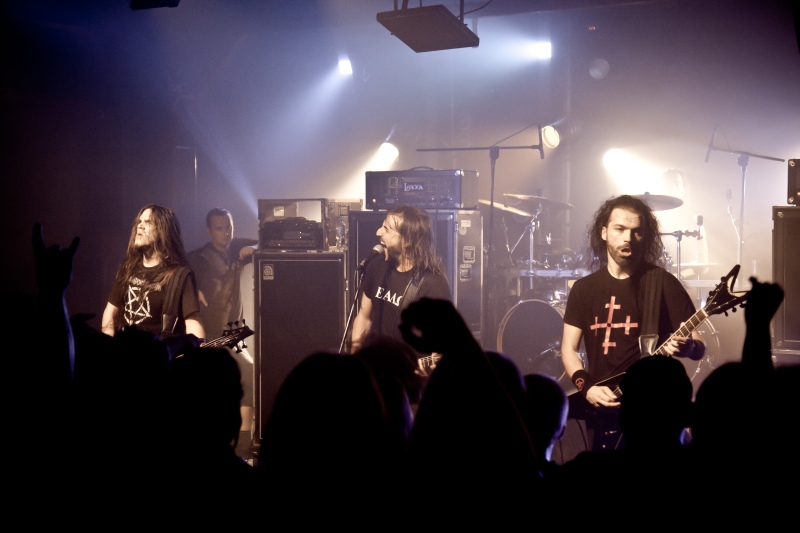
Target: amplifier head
[[425, 189]]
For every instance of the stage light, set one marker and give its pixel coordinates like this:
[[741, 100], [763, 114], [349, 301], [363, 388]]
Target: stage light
[[557, 132], [388, 152], [345, 67], [550, 136], [540, 50], [429, 28]]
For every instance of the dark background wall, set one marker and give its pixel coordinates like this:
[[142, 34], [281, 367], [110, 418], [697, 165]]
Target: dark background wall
[[105, 109]]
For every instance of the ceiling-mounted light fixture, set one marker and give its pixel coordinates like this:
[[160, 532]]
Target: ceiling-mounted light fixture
[[150, 4], [425, 29]]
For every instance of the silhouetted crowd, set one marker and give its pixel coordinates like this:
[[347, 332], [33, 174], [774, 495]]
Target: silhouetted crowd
[[130, 430]]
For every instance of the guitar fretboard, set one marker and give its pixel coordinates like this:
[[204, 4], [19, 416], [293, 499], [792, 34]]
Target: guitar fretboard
[[685, 330]]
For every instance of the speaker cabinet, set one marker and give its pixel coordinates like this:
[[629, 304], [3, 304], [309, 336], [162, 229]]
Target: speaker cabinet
[[458, 238], [786, 272], [299, 309], [793, 181]]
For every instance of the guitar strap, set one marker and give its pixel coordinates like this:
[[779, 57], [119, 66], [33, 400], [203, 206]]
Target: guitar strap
[[170, 315], [652, 283], [410, 294]]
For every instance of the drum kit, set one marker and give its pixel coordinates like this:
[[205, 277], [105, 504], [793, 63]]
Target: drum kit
[[539, 282], [537, 275]]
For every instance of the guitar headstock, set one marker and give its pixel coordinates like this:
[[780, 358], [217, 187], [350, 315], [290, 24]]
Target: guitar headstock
[[722, 298], [233, 337]]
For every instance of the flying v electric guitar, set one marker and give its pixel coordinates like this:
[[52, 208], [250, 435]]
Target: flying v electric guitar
[[721, 299]]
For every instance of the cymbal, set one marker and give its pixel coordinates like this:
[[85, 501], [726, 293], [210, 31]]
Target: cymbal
[[528, 197], [659, 202], [552, 249], [696, 265], [506, 208]]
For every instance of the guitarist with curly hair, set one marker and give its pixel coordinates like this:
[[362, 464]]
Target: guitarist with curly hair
[[621, 311]]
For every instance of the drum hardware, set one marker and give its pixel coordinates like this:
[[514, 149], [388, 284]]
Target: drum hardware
[[530, 335], [531, 268], [538, 200], [518, 215], [698, 370], [701, 287], [743, 160], [529, 229], [659, 202], [679, 236], [506, 208]]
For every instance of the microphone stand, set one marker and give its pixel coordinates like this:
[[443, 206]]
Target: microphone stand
[[494, 154], [361, 271], [744, 160]]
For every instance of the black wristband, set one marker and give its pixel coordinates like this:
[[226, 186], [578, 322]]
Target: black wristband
[[581, 381], [697, 351]]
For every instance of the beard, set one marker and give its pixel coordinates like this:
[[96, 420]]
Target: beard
[[146, 250], [625, 261], [392, 256]]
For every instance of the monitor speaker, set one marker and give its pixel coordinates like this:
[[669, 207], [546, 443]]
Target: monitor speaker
[[298, 309], [458, 238], [786, 273]]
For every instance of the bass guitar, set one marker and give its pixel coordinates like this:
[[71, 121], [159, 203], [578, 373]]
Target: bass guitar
[[231, 338]]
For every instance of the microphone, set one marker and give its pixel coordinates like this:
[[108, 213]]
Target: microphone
[[711, 143], [376, 250], [699, 225], [554, 347]]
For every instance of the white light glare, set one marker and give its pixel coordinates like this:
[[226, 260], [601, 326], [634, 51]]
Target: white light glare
[[388, 152], [345, 68], [630, 174], [540, 50]]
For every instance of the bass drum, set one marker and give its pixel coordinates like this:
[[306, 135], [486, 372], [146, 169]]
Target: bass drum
[[530, 334]]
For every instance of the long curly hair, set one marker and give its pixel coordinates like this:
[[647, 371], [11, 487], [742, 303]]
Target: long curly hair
[[651, 244], [168, 243], [416, 229]]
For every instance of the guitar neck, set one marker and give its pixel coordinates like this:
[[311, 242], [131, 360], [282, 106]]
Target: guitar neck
[[429, 360], [220, 342], [685, 330]]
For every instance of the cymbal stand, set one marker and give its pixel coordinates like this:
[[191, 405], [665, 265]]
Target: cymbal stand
[[743, 161], [530, 229], [494, 154], [680, 234]]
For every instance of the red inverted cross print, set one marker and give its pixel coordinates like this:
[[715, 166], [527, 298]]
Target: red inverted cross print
[[608, 324]]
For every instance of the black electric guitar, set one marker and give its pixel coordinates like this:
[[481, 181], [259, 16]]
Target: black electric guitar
[[720, 300], [231, 338]]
